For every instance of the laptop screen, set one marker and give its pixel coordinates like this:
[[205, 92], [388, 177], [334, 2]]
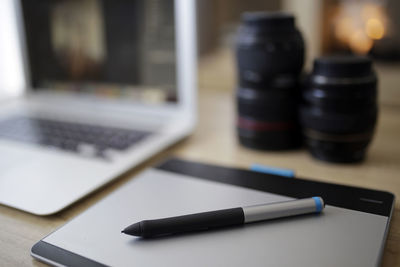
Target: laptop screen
[[116, 49]]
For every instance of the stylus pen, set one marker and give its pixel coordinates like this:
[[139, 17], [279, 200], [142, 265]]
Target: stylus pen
[[226, 217]]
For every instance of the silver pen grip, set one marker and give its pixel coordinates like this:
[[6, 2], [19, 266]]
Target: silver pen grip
[[282, 209]]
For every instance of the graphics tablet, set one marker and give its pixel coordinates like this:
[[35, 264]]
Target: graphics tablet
[[351, 231]]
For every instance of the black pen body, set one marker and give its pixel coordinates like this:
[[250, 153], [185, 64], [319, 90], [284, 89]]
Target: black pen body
[[227, 217], [187, 223]]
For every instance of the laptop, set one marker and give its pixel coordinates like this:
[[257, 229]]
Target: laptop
[[110, 83]]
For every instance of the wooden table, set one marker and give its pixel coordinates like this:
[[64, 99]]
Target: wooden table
[[214, 141]]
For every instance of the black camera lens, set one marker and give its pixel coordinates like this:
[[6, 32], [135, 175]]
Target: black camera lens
[[270, 55], [268, 119], [268, 45], [339, 109]]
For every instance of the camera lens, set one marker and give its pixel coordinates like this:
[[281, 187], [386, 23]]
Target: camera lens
[[268, 118], [270, 55], [339, 109]]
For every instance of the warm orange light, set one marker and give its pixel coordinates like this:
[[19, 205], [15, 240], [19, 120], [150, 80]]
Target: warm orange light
[[358, 23], [374, 29], [370, 10], [344, 29], [360, 43]]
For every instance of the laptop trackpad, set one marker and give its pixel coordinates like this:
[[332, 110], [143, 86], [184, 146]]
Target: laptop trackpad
[[43, 183], [11, 159]]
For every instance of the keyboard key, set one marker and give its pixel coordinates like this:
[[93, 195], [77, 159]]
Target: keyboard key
[[84, 139]]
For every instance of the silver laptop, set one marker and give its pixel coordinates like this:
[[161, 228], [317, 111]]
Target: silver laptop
[[110, 83]]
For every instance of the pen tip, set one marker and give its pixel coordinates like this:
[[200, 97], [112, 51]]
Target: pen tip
[[123, 231], [133, 229]]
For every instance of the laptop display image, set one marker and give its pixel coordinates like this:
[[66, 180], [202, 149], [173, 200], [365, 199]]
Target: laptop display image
[[113, 49]]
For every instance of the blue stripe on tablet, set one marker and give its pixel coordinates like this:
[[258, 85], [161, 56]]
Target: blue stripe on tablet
[[272, 170]]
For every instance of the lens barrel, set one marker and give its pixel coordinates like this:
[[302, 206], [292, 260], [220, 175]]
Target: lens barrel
[[270, 55], [339, 109]]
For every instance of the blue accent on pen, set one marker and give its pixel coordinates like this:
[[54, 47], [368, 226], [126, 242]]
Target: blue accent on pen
[[272, 170], [318, 203]]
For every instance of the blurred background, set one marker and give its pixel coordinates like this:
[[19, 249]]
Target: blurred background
[[365, 27], [369, 27]]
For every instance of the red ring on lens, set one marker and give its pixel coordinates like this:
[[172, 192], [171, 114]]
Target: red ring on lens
[[256, 125]]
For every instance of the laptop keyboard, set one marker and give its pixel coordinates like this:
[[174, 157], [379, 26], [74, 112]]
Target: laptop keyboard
[[89, 140]]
